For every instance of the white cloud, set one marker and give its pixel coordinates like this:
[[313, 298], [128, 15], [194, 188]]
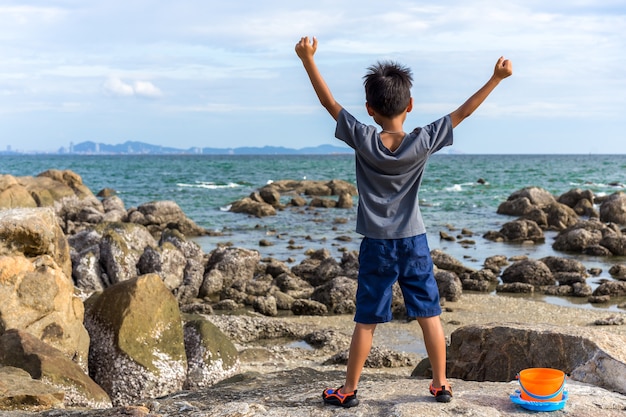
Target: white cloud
[[144, 89]]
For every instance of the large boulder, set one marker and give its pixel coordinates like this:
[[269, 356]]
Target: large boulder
[[43, 362], [497, 352], [137, 348], [36, 288]]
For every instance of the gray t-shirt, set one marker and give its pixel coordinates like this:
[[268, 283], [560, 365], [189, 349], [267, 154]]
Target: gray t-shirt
[[388, 182]]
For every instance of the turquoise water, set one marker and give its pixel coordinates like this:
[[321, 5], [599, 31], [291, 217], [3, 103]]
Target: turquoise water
[[204, 186]]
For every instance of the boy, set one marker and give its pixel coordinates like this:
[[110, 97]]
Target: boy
[[389, 169]]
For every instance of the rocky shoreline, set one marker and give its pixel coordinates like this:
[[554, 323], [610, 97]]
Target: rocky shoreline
[[124, 312]]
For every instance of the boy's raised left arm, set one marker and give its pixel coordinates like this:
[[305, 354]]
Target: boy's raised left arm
[[305, 50]]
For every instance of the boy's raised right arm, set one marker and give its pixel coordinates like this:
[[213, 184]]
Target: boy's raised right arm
[[305, 51]]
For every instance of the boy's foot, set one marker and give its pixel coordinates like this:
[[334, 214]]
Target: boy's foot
[[336, 397], [442, 394]]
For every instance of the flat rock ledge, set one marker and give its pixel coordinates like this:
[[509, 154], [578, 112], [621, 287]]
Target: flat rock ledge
[[297, 392]]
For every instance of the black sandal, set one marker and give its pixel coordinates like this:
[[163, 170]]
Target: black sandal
[[335, 397]]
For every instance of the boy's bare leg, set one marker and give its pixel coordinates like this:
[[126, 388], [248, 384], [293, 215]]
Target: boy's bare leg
[[359, 350], [435, 342]]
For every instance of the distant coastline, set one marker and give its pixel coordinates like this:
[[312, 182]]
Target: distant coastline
[[141, 148]]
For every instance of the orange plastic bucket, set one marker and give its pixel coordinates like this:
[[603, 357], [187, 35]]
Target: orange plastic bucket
[[541, 384]]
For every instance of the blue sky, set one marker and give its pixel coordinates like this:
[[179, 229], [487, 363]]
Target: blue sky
[[197, 73]]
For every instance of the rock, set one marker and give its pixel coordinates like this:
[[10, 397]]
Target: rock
[[44, 190], [497, 352], [521, 202], [611, 288], [560, 216], [377, 358], [33, 233], [444, 261], [328, 340], [297, 393], [254, 208], [618, 272], [19, 391], [247, 329], [36, 288], [528, 271], [20, 349], [114, 210], [137, 348], [516, 288], [211, 356], [322, 202], [449, 285], [265, 305], [521, 231], [121, 247], [580, 236], [227, 265], [193, 271], [345, 201], [76, 214], [291, 284], [613, 209], [308, 308], [13, 194], [558, 264], [495, 263], [335, 292], [572, 197], [166, 261], [270, 195], [157, 216], [616, 244], [327, 269], [67, 178]]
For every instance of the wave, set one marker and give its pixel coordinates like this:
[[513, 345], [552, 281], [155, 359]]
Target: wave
[[209, 185], [459, 187]]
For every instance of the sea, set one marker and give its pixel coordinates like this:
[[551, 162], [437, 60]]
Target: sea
[[458, 192]]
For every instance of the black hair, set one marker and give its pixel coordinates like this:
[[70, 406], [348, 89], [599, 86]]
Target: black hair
[[388, 87]]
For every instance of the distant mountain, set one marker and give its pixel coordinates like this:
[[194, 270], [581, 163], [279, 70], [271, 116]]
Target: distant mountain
[[131, 147]]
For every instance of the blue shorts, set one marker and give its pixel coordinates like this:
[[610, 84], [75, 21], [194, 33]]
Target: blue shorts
[[382, 262]]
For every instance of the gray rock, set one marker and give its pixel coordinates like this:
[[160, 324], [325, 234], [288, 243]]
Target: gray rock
[[211, 356], [528, 271], [497, 352], [445, 261], [521, 231], [613, 209]]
